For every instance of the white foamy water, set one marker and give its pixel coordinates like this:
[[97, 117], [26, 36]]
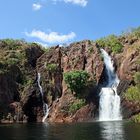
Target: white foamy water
[[45, 106], [109, 104]]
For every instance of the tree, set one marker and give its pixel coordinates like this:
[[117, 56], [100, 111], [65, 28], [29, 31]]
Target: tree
[[76, 80]]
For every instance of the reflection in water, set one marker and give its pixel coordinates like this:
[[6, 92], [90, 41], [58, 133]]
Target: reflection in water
[[76, 131], [112, 130]]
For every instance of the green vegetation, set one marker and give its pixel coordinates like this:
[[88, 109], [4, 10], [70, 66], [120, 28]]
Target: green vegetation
[[136, 118], [133, 92], [8, 58], [132, 32], [91, 49], [12, 52], [12, 44], [76, 105], [51, 67], [26, 81], [137, 47], [137, 77], [136, 31], [112, 42], [76, 80]]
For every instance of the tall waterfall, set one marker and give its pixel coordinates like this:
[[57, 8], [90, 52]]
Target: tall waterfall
[[45, 106], [109, 104]]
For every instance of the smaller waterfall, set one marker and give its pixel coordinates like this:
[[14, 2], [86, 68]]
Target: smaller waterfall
[[46, 110], [109, 104], [45, 106]]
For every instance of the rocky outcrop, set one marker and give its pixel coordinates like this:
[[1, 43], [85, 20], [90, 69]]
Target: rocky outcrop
[[17, 72], [78, 56], [127, 66], [130, 108], [85, 114], [9, 89], [20, 94]]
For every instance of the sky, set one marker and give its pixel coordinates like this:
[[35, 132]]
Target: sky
[[52, 22]]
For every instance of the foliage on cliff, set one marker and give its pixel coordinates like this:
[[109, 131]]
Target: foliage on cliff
[[133, 92], [111, 42], [76, 80], [132, 32], [76, 105], [17, 61], [136, 118], [78, 66]]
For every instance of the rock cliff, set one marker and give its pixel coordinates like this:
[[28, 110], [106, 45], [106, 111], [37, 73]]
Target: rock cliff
[[20, 63]]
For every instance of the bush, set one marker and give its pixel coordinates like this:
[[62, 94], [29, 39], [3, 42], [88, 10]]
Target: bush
[[136, 118], [91, 49], [12, 61], [112, 42], [132, 93], [76, 105], [76, 80], [137, 77], [12, 44], [132, 32], [51, 67], [136, 31]]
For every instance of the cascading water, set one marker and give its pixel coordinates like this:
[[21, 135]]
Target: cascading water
[[45, 106], [109, 104]]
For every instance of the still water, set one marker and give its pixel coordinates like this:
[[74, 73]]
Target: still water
[[118, 130]]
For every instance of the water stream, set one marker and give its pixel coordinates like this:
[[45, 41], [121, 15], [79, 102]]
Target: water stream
[[109, 104], [45, 105]]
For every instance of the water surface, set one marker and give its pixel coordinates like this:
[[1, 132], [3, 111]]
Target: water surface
[[118, 130]]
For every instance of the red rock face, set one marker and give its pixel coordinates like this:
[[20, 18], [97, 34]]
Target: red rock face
[[14, 79], [81, 56], [128, 65], [78, 56], [130, 108], [84, 55], [85, 114], [8, 89]]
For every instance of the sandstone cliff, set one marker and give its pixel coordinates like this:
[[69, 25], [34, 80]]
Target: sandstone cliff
[[20, 63]]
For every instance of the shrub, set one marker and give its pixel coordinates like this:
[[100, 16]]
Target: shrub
[[136, 118], [136, 31], [137, 77], [91, 49], [132, 32], [101, 42], [112, 42], [12, 61], [12, 44], [51, 67], [132, 93], [138, 62], [76, 105], [76, 80]]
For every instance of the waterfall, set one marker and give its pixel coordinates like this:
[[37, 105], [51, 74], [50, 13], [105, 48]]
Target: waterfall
[[45, 106], [109, 103]]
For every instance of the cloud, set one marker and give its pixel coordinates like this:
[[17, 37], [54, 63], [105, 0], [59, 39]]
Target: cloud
[[82, 3], [52, 37], [42, 44], [36, 6]]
